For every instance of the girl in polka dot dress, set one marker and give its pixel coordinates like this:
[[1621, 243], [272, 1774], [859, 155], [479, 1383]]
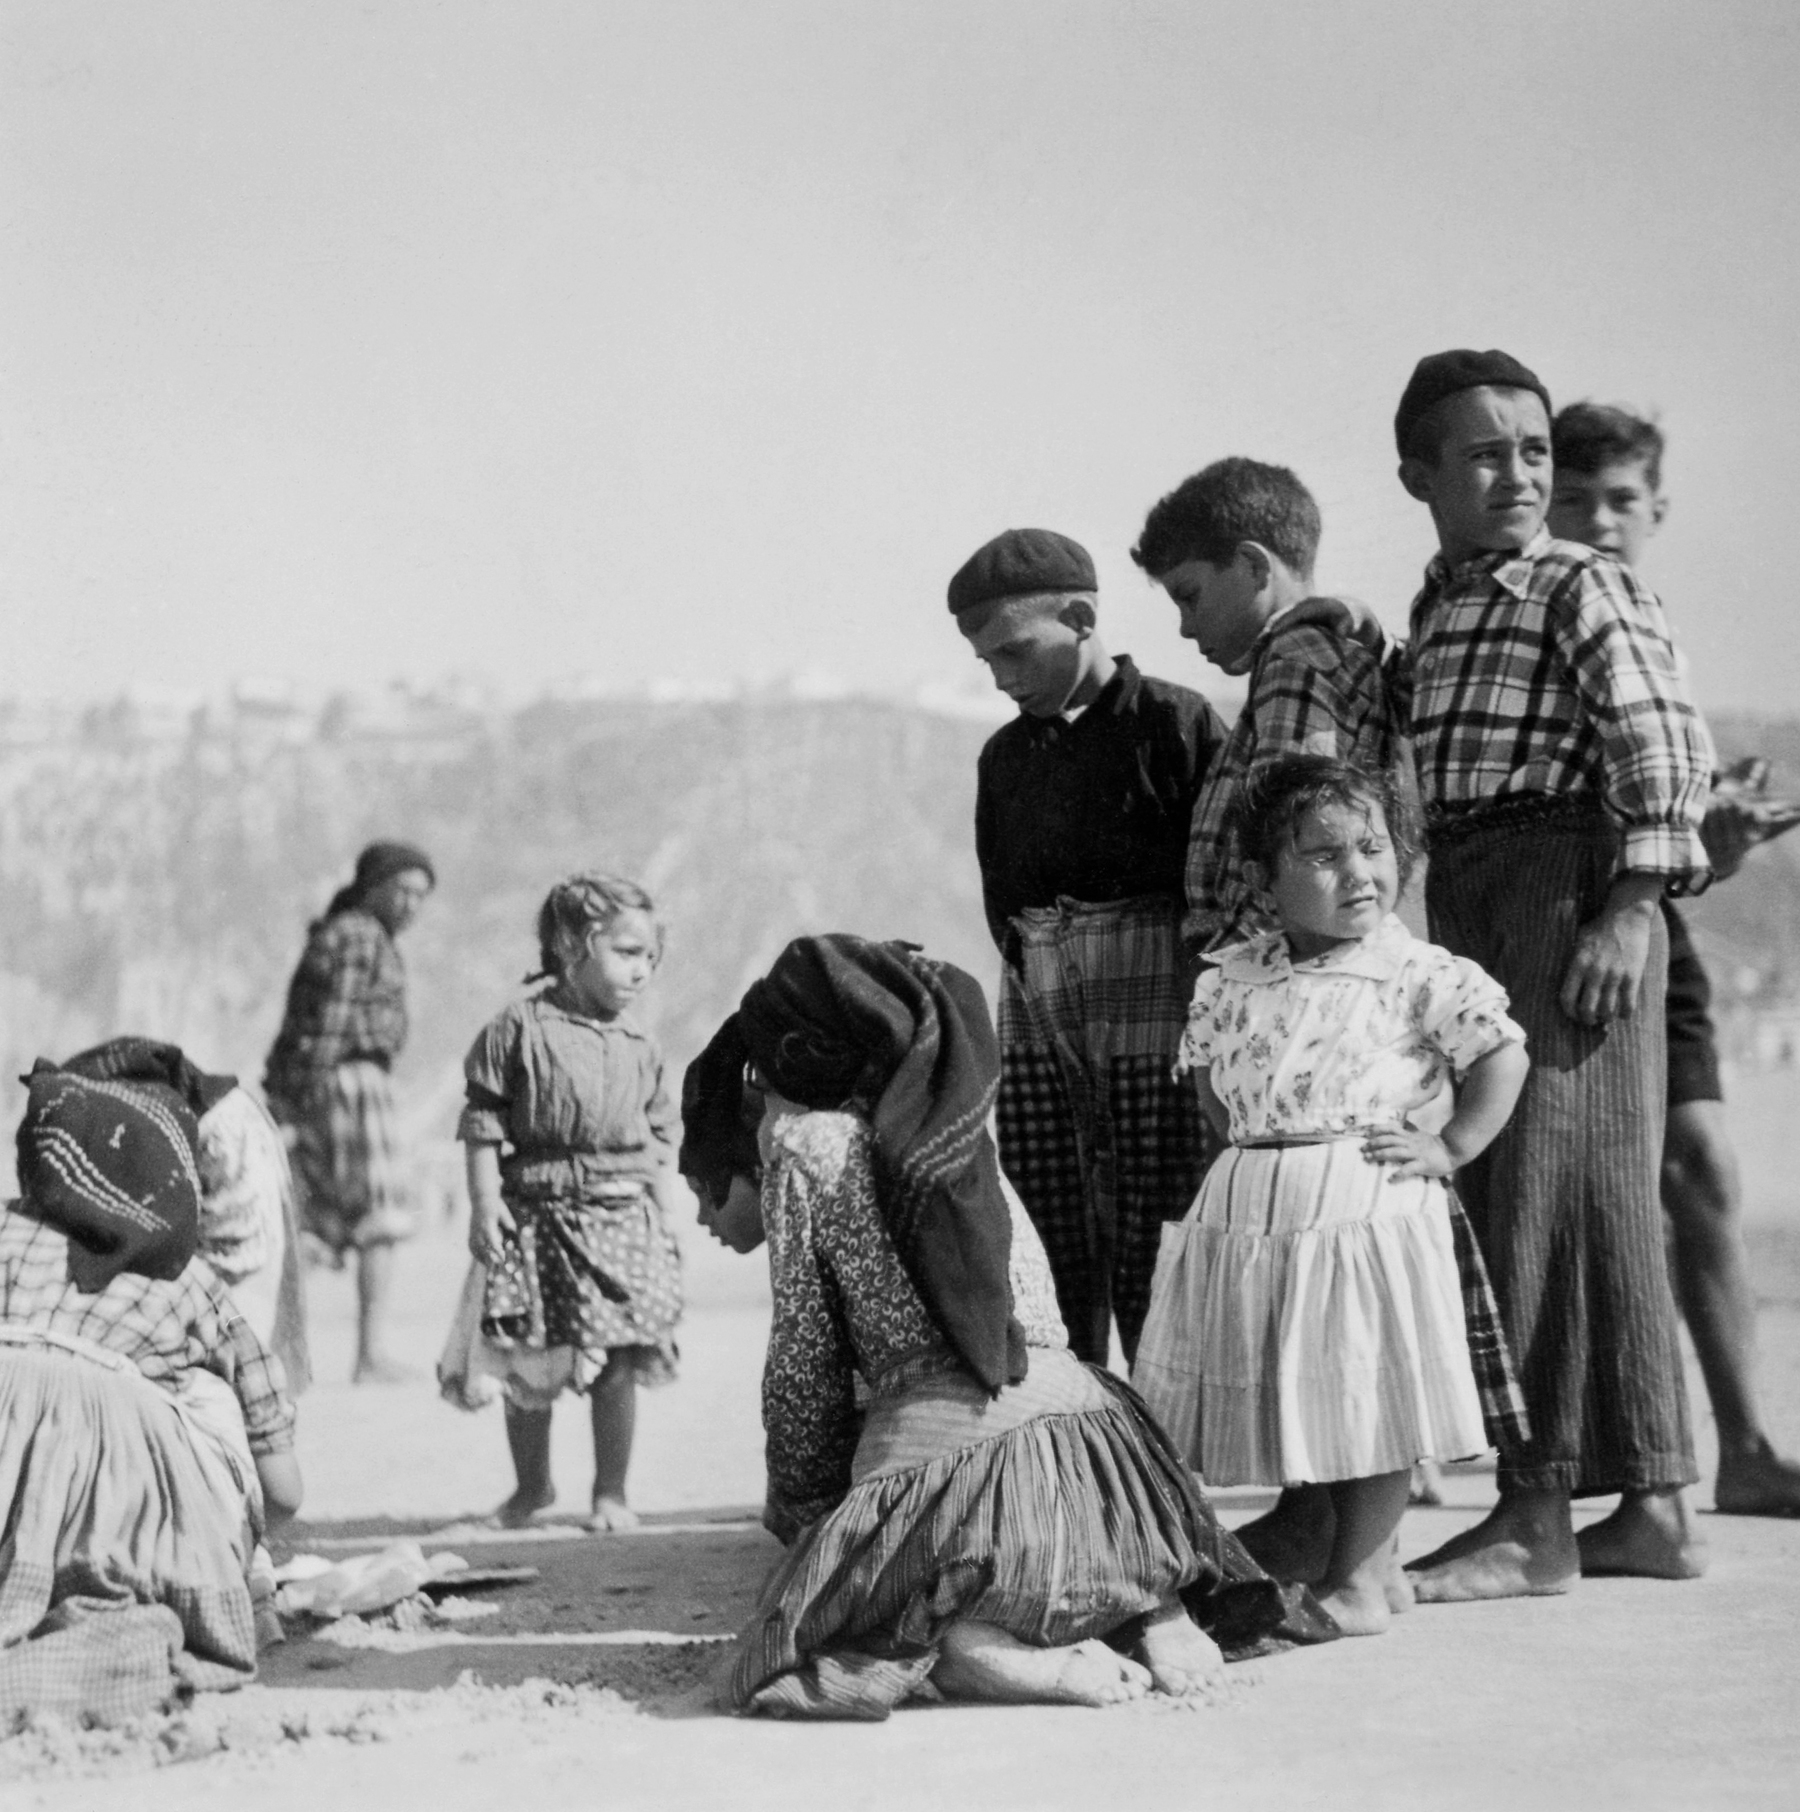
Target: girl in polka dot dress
[[570, 1137]]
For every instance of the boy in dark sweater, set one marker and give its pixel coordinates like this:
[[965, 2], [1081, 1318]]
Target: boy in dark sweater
[[1081, 828]]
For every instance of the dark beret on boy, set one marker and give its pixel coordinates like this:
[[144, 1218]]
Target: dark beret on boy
[[1020, 564], [1443, 374]]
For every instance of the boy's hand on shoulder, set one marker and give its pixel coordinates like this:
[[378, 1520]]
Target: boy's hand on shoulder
[[1412, 1153], [1606, 974], [1348, 617]]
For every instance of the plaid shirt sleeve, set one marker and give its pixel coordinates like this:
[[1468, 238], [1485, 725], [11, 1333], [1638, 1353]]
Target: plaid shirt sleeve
[[1655, 754], [260, 1381], [1309, 695]]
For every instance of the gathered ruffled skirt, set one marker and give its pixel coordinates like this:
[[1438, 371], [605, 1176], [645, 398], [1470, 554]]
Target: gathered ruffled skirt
[[1057, 1511], [1306, 1322], [113, 1500]]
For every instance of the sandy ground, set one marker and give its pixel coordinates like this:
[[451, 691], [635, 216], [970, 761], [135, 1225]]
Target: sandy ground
[[588, 1684]]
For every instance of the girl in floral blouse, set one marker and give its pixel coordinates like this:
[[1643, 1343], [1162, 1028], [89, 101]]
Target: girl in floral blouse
[[1307, 1320], [570, 1138]]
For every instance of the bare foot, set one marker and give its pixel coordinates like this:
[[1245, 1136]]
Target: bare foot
[[1360, 1607], [1292, 1542], [519, 1509], [982, 1661], [382, 1370], [1758, 1482], [610, 1514], [1427, 1484], [1396, 1584], [1523, 1548], [1651, 1536], [1180, 1655]]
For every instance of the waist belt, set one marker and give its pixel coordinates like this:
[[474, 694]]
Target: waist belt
[[1287, 1141], [1455, 823]]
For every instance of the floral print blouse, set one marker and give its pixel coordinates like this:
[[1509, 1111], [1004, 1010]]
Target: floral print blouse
[[1342, 1043], [846, 1312]]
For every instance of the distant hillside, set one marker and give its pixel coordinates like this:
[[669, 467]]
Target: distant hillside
[[163, 883], [159, 876]]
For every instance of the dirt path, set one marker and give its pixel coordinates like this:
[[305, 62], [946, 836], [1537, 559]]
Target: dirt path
[[1625, 1693]]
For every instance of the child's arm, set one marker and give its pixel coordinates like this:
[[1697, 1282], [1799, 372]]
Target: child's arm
[[1484, 1102], [488, 1214], [279, 1476], [1217, 1115]]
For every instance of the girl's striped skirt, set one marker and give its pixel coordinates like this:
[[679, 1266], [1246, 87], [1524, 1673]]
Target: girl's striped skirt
[[1056, 1510]]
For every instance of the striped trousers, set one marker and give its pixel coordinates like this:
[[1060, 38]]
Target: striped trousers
[[1101, 1142], [1566, 1201]]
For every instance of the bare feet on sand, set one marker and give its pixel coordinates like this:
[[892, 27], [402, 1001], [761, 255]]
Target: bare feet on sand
[[611, 1514], [1180, 1655], [1360, 1607], [1398, 1585], [1757, 1482], [1427, 1484], [382, 1370], [519, 1509], [1523, 1548], [981, 1661], [1292, 1542], [1650, 1536]]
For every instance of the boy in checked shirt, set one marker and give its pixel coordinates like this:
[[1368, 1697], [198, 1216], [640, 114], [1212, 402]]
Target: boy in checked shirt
[[1564, 773], [1234, 547]]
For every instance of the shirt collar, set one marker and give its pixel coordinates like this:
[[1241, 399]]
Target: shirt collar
[[1113, 700], [554, 1000], [1266, 959], [1511, 571]]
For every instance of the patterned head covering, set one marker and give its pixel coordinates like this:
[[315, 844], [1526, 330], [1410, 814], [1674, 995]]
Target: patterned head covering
[[111, 1164], [841, 1020], [134, 1059]]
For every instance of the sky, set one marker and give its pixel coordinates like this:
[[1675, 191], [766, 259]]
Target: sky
[[556, 345]]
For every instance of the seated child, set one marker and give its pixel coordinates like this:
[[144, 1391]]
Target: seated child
[[121, 1483], [1081, 823], [1307, 1323]]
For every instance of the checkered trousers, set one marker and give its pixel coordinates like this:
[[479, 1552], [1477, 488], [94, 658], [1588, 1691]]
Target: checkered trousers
[[1102, 1144], [355, 1188], [1490, 1358]]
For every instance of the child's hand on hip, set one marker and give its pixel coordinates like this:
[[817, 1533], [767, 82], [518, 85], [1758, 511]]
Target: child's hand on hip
[[1411, 1152]]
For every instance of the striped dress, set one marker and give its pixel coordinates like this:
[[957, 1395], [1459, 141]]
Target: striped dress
[[911, 1499], [1307, 1321]]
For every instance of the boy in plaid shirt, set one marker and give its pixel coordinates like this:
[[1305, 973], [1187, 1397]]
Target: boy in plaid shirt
[[1564, 772], [1234, 548], [1081, 819]]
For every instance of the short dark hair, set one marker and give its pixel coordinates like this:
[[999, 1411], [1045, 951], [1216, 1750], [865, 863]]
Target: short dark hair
[[1271, 802], [1207, 516], [1586, 436]]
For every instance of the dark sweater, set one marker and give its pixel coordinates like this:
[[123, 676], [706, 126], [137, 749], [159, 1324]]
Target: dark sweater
[[1098, 809]]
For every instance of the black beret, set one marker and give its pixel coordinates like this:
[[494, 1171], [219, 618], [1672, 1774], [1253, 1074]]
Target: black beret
[[1020, 564], [1443, 374]]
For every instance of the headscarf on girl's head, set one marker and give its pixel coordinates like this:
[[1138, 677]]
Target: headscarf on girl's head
[[841, 1020], [145, 1060], [111, 1164], [379, 862]]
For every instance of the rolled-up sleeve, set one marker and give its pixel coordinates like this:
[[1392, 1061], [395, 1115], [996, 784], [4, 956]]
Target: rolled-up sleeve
[[1655, 754]]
